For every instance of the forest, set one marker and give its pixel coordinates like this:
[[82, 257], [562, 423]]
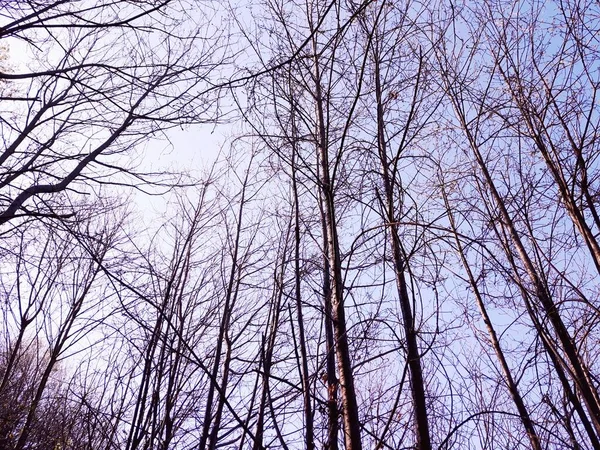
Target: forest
[[299, 224]]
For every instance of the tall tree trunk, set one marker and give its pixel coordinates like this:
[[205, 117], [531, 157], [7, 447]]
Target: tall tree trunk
[[508, 378], [400, 264], [269, 346], [209, 436], [308, 416], [349, 404]]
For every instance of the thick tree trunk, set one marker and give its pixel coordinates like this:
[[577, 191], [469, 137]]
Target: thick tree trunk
[[346, 379], [413, 355]]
